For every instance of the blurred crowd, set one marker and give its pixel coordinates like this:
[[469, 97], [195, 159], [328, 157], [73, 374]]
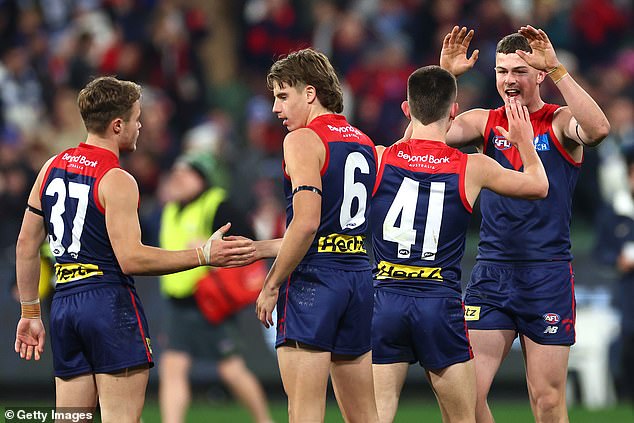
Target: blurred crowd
[[203, 66]]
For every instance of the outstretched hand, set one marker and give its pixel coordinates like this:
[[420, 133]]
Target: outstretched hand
[[232, 252], [520, 127], [543, 57], [453, 56], [29, 338]]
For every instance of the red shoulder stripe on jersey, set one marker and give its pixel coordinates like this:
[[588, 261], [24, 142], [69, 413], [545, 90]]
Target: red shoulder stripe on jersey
[[284, 170], [493, 114], [46, 174], [562, 150], [327, 159], [381, 168], [95, 192], [376, 163], [462, 181]]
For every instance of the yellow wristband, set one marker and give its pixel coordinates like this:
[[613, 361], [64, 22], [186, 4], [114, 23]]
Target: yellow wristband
[[31, 309], [557, 73]]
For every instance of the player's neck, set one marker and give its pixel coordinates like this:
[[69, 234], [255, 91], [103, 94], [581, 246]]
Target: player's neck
[[535, 105], [318, 111], [435, 131], [106, 143]]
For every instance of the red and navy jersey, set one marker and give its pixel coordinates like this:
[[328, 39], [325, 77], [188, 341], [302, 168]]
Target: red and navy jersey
[[75, 219], [347, 182], [420, 216], [528, 230]]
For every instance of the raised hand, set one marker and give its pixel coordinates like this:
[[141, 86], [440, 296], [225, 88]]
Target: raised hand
[[543, 57], [233, 252], [520, 127], [29, 338], [453, 56]]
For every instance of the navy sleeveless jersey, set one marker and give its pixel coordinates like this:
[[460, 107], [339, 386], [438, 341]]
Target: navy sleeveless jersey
[[528, 230], [420, 216], [75, 219], [347, 180]]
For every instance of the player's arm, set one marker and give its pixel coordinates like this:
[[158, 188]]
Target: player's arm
[[484, 172], [468, 128], [304, 155], [267, 248], [30, 333], [119, 195], [582, 120]]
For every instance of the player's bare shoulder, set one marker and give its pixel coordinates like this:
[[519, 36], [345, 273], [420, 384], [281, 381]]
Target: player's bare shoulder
[[117, 182], [303, 143]]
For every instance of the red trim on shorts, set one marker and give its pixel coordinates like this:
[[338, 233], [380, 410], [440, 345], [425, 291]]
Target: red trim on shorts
[[574, 308], [288, 283], [466, 331], [138, 318]]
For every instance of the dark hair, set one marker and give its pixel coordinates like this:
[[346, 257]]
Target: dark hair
[[512, 42], [105, 99], [309, 67], [431, 91]]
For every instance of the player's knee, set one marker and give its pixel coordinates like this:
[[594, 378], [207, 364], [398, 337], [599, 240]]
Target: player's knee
[[548, 400]]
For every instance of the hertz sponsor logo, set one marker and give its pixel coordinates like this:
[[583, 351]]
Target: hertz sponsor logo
[[70, 272], [389, 270], [471, 313], [338, 243]]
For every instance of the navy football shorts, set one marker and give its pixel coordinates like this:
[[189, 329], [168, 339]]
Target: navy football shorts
[[430, 331], [98, 330], [533, 299], [329, 309]]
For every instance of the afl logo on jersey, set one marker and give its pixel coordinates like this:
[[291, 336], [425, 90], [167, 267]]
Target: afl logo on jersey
[[501, 143], [551, 318]]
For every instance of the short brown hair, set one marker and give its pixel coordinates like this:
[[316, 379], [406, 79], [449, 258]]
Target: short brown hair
[[105, 99], [431, 91], [512, 42], [309, 67]]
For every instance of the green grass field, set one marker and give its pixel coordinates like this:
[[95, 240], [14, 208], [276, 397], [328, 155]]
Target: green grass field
[[409, 411]]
